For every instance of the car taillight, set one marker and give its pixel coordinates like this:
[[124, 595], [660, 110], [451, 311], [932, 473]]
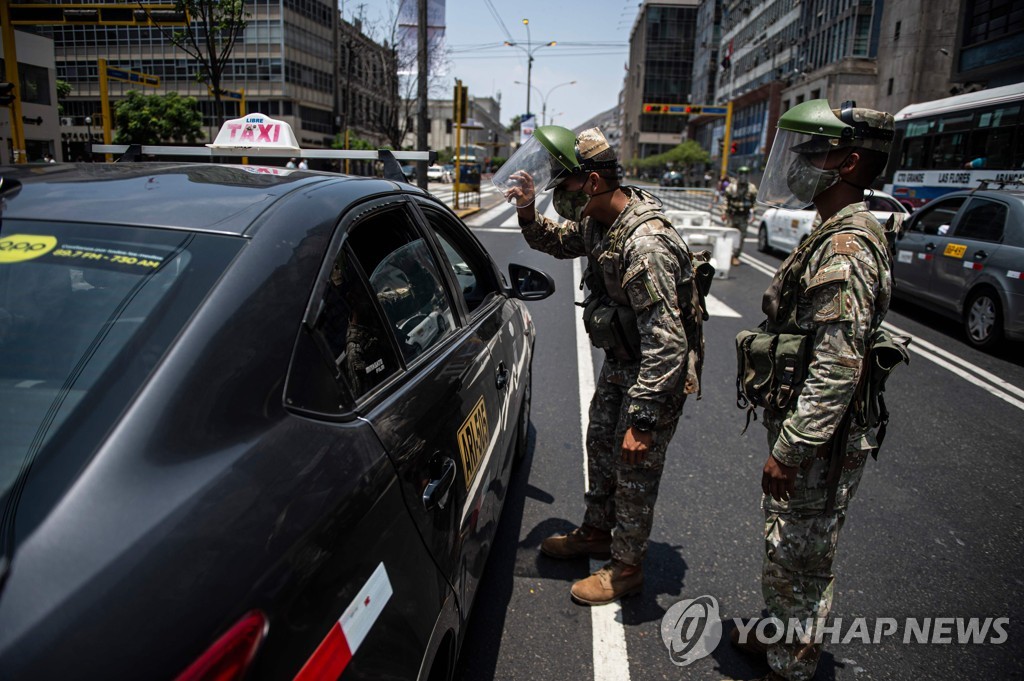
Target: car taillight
[[230, 655]]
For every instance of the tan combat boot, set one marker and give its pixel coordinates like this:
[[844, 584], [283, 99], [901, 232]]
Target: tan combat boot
[[583, 541], [607, 584]]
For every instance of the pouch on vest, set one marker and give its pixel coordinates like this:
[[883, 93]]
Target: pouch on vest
[[770, 368], [887, 352], [613, 328]]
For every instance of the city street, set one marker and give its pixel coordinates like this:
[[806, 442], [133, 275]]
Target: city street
[[936, 529]]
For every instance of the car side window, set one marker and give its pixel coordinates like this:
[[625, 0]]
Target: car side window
[[470, 266], [936, 219], [404, 279], [983, 220], [354, 330]]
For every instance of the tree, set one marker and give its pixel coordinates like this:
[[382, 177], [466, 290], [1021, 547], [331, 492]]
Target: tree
[[63, 91], [155, 119], [209, 38], [687, 154], [400, 75]]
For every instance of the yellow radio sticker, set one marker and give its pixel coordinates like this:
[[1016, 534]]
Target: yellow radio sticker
[[955, 250], [21, 247], [474, 435]]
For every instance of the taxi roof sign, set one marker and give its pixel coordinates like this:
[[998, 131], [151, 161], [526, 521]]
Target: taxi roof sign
[[256, 131]]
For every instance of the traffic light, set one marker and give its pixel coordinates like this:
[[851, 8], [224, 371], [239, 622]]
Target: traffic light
[[733, 148], [6, 94]]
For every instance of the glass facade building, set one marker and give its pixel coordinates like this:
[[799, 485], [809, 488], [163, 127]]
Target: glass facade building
[[286, 60]]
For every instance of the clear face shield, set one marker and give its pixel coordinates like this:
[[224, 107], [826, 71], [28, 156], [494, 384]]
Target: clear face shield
[[530, 170], [794, 176]]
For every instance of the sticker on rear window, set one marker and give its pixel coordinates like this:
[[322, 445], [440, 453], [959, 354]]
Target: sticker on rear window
[[21, 247]]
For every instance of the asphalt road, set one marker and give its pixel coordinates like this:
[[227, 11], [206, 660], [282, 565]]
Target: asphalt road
[[936, 529]]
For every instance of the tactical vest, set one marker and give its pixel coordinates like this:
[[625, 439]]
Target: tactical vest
[[608, 315], [739, 203], [772, 360]]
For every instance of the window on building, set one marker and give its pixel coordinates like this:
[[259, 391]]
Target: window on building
[[889, 88], [896, 31]]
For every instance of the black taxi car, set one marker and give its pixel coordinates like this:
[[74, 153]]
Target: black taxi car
[[256, 422]]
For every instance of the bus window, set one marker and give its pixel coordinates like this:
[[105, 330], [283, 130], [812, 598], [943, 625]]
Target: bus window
[[959, 121], [948, 151], [915, 153]]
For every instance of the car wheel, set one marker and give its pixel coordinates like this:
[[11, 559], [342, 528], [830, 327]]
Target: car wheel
[[762, 239], [523, 425], [983, 319]]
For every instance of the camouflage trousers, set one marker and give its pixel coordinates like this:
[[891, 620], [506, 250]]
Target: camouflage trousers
[[800, 542], [621, 497], [739, 223]]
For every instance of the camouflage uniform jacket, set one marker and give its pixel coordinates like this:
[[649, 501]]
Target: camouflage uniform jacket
[[737, 202], [843, 294], [656, 282]]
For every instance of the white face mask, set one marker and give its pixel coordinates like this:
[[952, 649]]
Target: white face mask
[[806, 180]]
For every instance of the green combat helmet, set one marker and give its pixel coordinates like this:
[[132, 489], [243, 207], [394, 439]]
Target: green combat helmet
[[806, 133], [548, 156], [560, 143]]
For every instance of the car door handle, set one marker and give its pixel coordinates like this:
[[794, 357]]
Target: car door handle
[[501, 379], [980, 255], [436, 493], [929, 247]]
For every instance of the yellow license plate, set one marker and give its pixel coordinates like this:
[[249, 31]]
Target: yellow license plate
[[955, 250]]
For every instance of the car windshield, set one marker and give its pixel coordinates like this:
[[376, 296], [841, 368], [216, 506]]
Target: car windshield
[[85, 313]]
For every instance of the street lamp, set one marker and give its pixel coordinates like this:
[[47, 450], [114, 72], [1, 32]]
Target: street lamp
[[88, 144], [529, 50], [544, 98]]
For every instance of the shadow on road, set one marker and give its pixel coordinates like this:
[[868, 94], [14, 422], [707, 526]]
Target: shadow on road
[[734, 664]]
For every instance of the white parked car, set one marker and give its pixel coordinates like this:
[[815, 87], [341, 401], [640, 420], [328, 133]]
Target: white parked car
[[782, 229], [435, 174]]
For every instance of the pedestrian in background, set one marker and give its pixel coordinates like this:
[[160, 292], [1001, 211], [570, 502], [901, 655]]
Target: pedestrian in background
[[739, 203]]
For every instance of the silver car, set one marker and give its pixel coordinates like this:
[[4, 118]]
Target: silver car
[[963, 256]]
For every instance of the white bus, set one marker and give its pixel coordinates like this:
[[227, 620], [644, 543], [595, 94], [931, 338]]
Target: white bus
[[955, 142]]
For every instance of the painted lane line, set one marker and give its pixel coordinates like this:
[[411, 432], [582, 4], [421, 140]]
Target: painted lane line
[[983, 379], [611, 660], [988, 376], [964, 375], [716, 308], [758, 265]]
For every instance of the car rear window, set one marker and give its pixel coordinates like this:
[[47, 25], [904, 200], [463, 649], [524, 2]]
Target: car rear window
[[86, 311]]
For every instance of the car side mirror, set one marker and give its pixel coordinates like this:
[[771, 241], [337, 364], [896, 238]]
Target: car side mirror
[[530, 284]]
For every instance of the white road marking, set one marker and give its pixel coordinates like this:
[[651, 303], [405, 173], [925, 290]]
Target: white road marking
[[611, 660], [716, 308], [921, 347], [943, 358], [760, 266]]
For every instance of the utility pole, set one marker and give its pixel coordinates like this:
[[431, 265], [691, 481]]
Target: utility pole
[[421, 92]]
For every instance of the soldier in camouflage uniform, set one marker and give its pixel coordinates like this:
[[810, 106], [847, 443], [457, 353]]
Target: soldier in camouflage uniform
[[739, 202], [643, 310], [835, 290]]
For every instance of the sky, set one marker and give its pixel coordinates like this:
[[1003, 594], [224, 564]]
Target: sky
[[592, 49]]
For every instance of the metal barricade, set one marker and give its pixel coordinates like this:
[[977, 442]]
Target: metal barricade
[[696, 216]]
